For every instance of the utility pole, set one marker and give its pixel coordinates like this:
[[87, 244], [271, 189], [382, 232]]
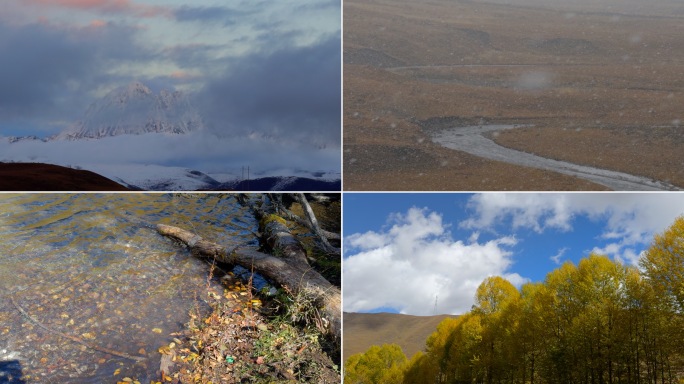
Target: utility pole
[[434, 310]]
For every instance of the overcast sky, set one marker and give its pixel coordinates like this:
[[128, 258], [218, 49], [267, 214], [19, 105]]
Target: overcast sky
[[253, 64], [425, 254]]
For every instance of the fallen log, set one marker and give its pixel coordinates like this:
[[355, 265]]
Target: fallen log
[[289, 215], [278, 237], [314, 224], [291, 274]]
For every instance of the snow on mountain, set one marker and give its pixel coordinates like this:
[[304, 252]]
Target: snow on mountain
[[166, 178], [155, 177], [135, 109], [16, 139], [135, 126]]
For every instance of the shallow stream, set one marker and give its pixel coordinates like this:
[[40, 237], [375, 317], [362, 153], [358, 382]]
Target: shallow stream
[[92, 268], [472, 140]]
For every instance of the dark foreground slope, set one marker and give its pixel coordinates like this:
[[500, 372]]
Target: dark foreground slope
[[48, 177], [362, 330]]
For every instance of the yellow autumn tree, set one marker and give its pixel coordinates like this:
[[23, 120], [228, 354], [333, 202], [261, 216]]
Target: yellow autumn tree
[[663, 264], [378, 365]]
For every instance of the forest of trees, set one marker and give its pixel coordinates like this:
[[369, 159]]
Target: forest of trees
[[598, 322]]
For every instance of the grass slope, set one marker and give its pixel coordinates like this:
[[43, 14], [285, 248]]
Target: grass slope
[[362, 330], [49, 177]]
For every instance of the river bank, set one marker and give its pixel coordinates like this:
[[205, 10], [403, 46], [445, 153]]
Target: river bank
[[92, 293]]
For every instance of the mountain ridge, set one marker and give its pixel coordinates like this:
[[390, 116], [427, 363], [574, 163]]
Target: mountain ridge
[[135, 109], [363, 330]]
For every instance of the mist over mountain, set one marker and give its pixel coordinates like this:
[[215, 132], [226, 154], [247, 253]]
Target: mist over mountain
[[135, 109], [159, 141]]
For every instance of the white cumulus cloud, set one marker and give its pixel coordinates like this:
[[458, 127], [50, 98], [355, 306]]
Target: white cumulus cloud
[[415, 267]]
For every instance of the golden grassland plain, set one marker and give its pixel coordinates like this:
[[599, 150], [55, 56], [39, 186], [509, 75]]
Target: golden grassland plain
[[598, 83], [363, 330]]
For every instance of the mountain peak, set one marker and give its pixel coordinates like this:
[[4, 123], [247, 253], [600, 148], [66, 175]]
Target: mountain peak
[[122, 95], [135, 109], [137, 87]]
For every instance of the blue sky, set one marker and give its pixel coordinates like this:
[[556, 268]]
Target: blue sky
[[403, 252]]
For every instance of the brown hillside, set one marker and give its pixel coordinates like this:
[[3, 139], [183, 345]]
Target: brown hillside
[[49, 177], [362, 330], [598, 82]]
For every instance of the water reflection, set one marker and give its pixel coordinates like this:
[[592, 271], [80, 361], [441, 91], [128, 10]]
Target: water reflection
[[91, 268], [10, 372]]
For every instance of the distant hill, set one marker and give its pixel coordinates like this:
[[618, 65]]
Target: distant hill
[[284, 183], [362, 330], [49, 177]]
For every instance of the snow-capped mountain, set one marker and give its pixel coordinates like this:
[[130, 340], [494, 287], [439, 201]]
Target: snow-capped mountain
[[135, 109], [115, 139], [166, 178]]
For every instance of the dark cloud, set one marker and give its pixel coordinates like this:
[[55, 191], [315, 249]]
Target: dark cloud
[[35, 64], [193, 55], [47, 72], [223, 15], [105, 6], [319, 5], [293, 92]]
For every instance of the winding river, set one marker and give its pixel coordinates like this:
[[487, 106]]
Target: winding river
[[471, 140], [90, 291]]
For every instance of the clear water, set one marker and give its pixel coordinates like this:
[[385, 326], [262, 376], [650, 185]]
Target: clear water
[[92, 266]]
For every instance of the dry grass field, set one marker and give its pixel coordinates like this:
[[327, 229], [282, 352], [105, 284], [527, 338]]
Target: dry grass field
[[362, 330], [599, 83]]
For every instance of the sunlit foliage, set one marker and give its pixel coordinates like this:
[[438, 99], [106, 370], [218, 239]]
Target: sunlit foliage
[[598, 322], [378, 365]]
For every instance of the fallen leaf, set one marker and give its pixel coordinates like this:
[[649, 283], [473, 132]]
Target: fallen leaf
[[165, 364]]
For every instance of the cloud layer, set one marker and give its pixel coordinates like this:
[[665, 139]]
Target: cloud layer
[[631, 218], [106, 6], [203, 152], [260, 57], [416, 267], [286, 93], [264, 70], [47, 71]]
